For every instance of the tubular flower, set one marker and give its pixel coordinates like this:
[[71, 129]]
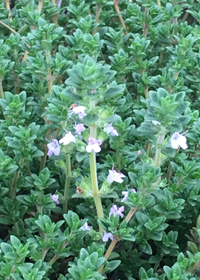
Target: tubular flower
[[125, 194], [109, 129], [115, 176], [178, 140], [116, 211], [79, 128], [80, 111], [68, 138], [93, 144], [85, 227], [107, 236], [53, 148], [55, 198]]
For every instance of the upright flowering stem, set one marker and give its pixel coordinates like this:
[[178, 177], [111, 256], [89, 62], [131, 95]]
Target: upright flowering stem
[[67, 179], [93, 172], [159, 143]]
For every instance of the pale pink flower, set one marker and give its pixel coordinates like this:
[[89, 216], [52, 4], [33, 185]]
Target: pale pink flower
[[93, 90], [115, 176], [68, 138], [55, 198], [178, 140], [80, 110], [53, 148], [74, 90], [107, 236], [109, 129], [79, 128], [116, 211], [139, 152], [93, 145]]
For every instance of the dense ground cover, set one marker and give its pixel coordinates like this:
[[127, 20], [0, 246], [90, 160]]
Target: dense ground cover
[[99, 140]]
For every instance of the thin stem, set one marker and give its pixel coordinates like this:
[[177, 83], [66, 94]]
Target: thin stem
[[93, 173], [44, 252], [109, 251], [14, 182], [54, 259], [130, 214], [1, 89], [146, 92], [185, 17], [169, 171], [175, 20], [40, 209], [146, 23], [116, 238], [175, 26], [199, 83], [55, 17], [115, 2], [194, 266], [8, 8], [67, 179], [159, 143], [159, 3], [56, 133], [176, 75], [97, 19], [12, 271], [39, 10], [161, 56], [149, 149], [40, 5], [44, 157], [119, 158], [96, 195], [50, 77]]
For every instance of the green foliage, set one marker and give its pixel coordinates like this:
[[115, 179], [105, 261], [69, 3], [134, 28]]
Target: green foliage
[[134, 66]]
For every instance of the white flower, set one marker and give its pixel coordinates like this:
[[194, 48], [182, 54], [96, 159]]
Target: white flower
[[80, 110], [115, 176], [55, 198], [106, 236], [85, 227], [125, 193], [93, 144], [68, 138], [156, 123], [109, 129], [178, 140]]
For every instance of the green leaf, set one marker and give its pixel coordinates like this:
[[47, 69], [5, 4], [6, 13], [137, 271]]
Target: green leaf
[[90, 119]]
